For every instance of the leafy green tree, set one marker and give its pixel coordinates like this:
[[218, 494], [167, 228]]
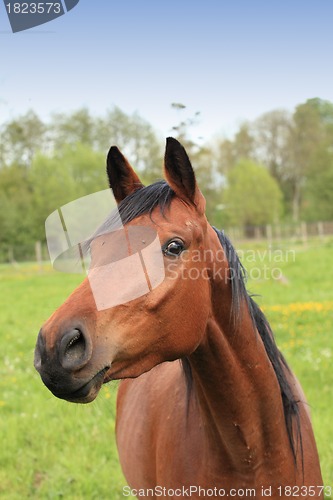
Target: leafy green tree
[[318, 204], [72, 128], [135, 137], [15, 211], [75, 171], [45, 165], [21, 138], [243, 146], [272, 136], [226, 156], [295, 148], [310, 137], [131, 133], [252, 196], [244, 143]]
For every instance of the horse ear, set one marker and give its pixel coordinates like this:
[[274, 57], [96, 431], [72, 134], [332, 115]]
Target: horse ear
[[180, 175], [122, 178]]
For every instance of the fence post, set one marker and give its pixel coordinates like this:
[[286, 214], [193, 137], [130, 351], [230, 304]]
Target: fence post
[[11, 257], [38, 253], [320, 228], [304, 233], [278, 233], [269, 234]]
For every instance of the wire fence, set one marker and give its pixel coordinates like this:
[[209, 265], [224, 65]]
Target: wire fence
[[34, 252], [276, 234], [301, 232]]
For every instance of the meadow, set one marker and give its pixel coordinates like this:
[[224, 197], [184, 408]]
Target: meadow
[[52, 449]]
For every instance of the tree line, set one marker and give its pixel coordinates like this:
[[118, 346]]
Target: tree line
[[276, 168]]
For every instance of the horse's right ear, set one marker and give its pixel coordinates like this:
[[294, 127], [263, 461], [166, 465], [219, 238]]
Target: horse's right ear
[[122, 179]]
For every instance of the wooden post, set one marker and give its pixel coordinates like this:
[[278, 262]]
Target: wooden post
[[257, 232], [304, 233], [11, 257], [38, 253], [278, 233], [320, 228], [269, 234]]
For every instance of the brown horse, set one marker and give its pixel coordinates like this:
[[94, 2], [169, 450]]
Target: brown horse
[[207, 405]]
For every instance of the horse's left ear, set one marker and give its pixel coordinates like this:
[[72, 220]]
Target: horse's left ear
[[180, 175], [122, 179]]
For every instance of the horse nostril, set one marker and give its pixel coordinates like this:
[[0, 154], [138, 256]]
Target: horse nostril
[[39, 352], [76, 346], [74, 349]]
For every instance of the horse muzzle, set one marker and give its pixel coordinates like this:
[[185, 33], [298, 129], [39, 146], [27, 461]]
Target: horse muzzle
[[62, 366]]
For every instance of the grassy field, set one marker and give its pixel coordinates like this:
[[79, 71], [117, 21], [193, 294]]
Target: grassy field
[[53, 449]]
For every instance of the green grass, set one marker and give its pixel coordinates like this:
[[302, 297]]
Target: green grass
[[300, 310], [53, 449], [49, 448]]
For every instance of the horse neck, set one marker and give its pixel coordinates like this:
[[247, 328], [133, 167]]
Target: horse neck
[[237, 389]]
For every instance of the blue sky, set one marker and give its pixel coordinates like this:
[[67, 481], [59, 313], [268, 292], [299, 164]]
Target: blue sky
[[230, 60]]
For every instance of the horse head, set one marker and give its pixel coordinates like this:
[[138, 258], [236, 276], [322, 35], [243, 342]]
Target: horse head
[[82, 346]]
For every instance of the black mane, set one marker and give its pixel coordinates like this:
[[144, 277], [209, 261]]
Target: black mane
[[145, 200], [159, 194]]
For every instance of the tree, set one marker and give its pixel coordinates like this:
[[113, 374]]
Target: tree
[[135, 137], [131, 133], [21, 138], [252, 196], [318, 204], [244, 143], [295, 148], [272, 135], [15, 210], [311, 135], [230, 152], [226, 156], [73, 128], [73, 172]]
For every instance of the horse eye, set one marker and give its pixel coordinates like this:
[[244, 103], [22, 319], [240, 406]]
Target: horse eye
[[174, 248]]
